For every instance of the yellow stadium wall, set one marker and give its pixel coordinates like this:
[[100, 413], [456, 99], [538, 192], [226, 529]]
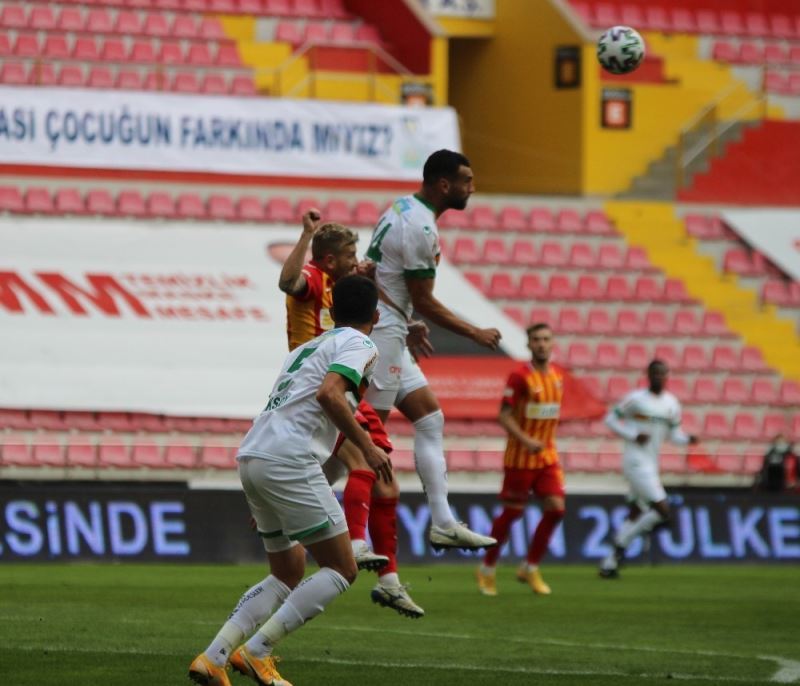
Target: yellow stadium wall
[[522, 134]]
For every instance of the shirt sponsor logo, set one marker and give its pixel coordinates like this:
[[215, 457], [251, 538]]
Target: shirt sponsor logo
[[542, 410]]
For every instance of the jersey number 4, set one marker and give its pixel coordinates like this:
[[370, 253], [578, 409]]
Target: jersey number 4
[[374, 251]]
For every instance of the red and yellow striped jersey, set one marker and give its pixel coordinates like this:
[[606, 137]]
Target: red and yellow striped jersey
[[308, 314], [535, 401]]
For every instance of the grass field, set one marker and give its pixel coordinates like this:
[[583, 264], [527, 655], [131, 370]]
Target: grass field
[[126, 625]]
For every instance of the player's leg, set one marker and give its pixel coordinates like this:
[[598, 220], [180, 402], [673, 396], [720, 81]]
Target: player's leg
[[356, 503], [310, 514], [287, 565], [513, 495], [548, 485]]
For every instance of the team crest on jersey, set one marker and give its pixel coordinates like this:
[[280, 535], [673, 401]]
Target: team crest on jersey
[[368, 343]]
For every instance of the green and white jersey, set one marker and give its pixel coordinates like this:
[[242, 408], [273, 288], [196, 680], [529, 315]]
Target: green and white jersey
[[643, 412], [293, 423], [405, 244]]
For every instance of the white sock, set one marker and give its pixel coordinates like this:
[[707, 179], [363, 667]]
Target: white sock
[[357, 543], [630, 530], [257, 603], [487, 571], [390, 579], [529, 567], [304, 603], [431, 466]]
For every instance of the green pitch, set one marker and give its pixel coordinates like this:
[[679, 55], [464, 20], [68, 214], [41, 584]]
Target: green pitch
[[130, 625]]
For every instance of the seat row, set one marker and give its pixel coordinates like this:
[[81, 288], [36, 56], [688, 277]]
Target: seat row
[[748, 262], [536, 220], [43, 17], [586, 287], [526, 253], [142, 51], [111, 454], [163, 205], [780, 292], [599, 321], [336, 33], [686, 358], [704, 390], [121, 78], [782, 84], [754, 53], [270, 8], [657, 17], [708, 227]]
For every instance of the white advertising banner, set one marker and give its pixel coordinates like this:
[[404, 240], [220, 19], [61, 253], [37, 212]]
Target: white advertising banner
[[476, 9], [776, 233], [106, 129], [138, 317]]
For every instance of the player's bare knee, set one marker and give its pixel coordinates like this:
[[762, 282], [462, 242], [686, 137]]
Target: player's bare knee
[[381, 489]]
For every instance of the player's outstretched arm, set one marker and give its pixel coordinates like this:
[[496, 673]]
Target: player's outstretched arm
[[332, 399], [619, 426], [291, 280], [421, 292], [512, 427]]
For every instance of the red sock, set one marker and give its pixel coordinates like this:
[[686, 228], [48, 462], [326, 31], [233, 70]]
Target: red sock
[[383, 530], [500, 528], [356, 502], [541, 537]]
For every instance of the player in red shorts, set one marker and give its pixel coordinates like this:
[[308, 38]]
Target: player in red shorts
[[529, 413], [366, 500]]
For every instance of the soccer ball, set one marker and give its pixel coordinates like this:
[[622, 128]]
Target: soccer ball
[[620, 50]]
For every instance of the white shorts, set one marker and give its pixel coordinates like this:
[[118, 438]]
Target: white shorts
[[644, 480], [396, 373], [290, 503]]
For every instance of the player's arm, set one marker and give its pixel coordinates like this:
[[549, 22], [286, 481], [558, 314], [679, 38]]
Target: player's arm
[[678, 436], [292, 281], [332, 399], [615, 420], [512, 427], [421, 291]]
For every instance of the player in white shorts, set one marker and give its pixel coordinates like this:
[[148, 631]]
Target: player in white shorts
[[280, 466], [405, 250], [644, 418]]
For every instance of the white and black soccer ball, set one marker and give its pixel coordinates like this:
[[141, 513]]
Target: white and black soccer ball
[[620, 49]]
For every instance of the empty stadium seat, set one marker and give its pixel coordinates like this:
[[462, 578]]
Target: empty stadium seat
[[647, 289], [569, 221], [589, 287], [617, 387], [542, 315], [38, 201], [101, 202], [477, 280], [220, 207], [706, 390], [724, 358], [16, 452], [570, 321], [636, 357], [618, 289], [365, 213], [560, 287], [484, 218], [629, 323], [751, 360], [502, 285], [465, 251], [581, 256], [746, 427], [11, 198], [160, 205], [524, 253], [668, 353], [609, 356], [190, 206], [579, 355], [599, 322], [148, 454], [216, 456], [180, 455], [80, 452], [69, 201], [714, 325], [735, 391], [552, 255], [512, 219], [516, 314], [789, 393], [100, 77], [596, 222], [337, 211], [495, 252], [656, 323], [131, 203], [115, 454], [541, 219], [763, 392], [716, 425]]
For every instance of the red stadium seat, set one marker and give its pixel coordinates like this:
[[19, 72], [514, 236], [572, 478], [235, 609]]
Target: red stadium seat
[[686, 323], [216, 456], [731, 23], [148, 455], [735, 391], [707, 21], [131, 203], [617, 387], [214, 84], [752, 360], [477, 280], [495, 252], [756, 24], [706, 390], [184, 26], [71, 76], [100, 201], [610, 257], [15, 419], [606, 14], [579, 355], [629, 323], [465, 251], [657, 18], [13, 73], [128, 80], [288, 32], [11, 199], [56, 47], [128, 23], [185, 82], [675, 292], [316, 32], [100, 77], [680, 388], [13, 17], [161, 205], [581, 256], [210, 28], [589, 287], [531, 287], [541, 219], [636, 259], [143, 52], [560, 287], [569, 221], [599, 322], [725, 358], [648, 289], [542, 315], [243, 85], [69, 201], [220, 207], [180, 455], [156, 25], [618, 289], [763, 392], [789, 393], [170, 52], [775, 54], [716, 425], [609, 356], [683, 20], [453, 219], [776, 292], [750, 53], [115, 454], [782, 26], [80, 452], [338, 211], [38, 201], [695, 358], [461, 460], [746, 427], [512, 219], [516, 314], [190, 206], [656, 323], [334, 9], [774, 424], [365, 213], [636, 357], [502, 285], [596, 222], [667, 353], [483, 218], [47, 420], [199, 55], [26, 45], [16, 452], [723, 51], [277, 8], [552, 255], [524, 253], [570, 321]]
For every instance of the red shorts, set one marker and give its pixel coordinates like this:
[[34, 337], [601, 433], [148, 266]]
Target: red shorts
[[518, 484], [367, 417]]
